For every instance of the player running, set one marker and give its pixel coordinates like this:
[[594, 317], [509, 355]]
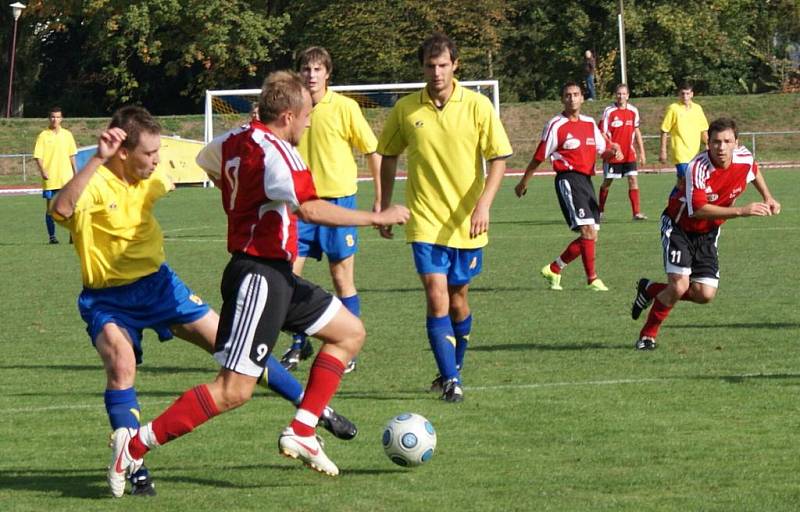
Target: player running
[[572, 140], [265, 185], [620, 123], [128, 286], [690, 226]]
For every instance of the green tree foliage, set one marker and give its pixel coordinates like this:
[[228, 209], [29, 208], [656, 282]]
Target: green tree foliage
[[92, 55], [162, 53]]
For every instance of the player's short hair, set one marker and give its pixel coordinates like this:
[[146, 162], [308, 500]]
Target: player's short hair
[[54, 109], [282, 91], [134, 121], [721, 124], [620, 86], [315, 54], [435, 45], [686, 86], [569, 84]]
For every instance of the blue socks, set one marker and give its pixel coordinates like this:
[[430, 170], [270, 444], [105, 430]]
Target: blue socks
[[461, 330], [443, 344], [282, 382], [122, 408], [51, 225], [353, 304]]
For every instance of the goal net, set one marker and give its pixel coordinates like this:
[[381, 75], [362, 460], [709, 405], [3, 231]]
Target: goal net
[[227, 109]]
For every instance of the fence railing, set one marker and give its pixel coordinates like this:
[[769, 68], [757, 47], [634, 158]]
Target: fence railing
[[15, 168]]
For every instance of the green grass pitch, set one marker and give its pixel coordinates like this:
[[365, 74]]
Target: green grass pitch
[[560, 412]]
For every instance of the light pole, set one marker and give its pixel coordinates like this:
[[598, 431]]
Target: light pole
[[16, 9]]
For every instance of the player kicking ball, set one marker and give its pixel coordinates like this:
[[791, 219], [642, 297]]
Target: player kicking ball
[[128, 286], [690, 227], [265, 187]]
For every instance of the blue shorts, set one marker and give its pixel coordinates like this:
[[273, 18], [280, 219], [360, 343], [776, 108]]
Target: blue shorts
[[50, 194], [680, 169], [459, 265], [156, 301], [337, 244]]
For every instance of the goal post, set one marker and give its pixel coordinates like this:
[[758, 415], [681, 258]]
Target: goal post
[[226, 109]]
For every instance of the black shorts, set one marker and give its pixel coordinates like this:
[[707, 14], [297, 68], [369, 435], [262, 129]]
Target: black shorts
[[616, 171], [577, 199], [690, 254], [260, 299]]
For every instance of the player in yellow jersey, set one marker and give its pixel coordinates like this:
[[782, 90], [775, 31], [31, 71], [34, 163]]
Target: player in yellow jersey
[[687, 126], [445, 129], [54, 154], [127, 285], [337, 128]]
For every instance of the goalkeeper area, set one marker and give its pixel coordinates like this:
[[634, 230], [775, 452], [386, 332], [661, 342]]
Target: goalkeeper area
[[226, 109]]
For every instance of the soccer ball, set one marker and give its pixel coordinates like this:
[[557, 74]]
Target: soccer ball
[[409, 440]]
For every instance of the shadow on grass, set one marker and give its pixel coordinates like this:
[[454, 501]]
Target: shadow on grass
[[557, 347], [90, 483], [94, 368], [741, 325], [738, 379], [530, 222]]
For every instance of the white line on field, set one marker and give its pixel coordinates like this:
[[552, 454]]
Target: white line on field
[[539, 385]]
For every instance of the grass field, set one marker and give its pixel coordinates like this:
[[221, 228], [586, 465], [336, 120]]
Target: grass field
[[560, 412]]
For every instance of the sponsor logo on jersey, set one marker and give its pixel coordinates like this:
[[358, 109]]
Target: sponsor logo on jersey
[[713, 197], [419, 124], [616, 123], [112, 206], [571, 142], [197, 300]]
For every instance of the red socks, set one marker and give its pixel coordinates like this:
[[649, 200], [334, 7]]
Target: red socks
[[326, 373], [587, 255], [191, 410], [572, 251], [633, 195], [658, 313], [603, 197]]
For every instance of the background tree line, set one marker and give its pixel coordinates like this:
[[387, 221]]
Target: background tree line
[[90, 56]]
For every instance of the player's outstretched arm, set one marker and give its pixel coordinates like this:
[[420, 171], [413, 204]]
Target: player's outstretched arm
[[107, 145], [479, 222], [761, 185], [522, 187], [319, 211], [711, 212]]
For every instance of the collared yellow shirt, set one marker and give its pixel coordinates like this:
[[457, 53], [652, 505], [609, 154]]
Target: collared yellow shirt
[[54, 149], [337, 127], [117, 238], [445, 170], [684, 127]]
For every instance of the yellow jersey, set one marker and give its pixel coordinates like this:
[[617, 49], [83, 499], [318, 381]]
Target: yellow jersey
[[445, 170], [337, 126], [684, 127], [54, 149], [117, 238]]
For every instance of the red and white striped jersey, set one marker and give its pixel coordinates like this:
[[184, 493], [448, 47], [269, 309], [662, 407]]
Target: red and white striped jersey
[[263, 181], [706, 184], [620, 125], [571, 145]]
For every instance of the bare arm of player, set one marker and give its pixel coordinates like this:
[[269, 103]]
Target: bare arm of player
[[388, 173], [107, 145], [319, 211], [704, 138], [662, 153], [74, 164], [374, 166], [710, 211], [479, 223], [41, 168], [761, 185], [637, 135], [522, 187]]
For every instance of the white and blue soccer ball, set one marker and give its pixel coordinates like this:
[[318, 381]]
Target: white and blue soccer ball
[[409, 440]]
